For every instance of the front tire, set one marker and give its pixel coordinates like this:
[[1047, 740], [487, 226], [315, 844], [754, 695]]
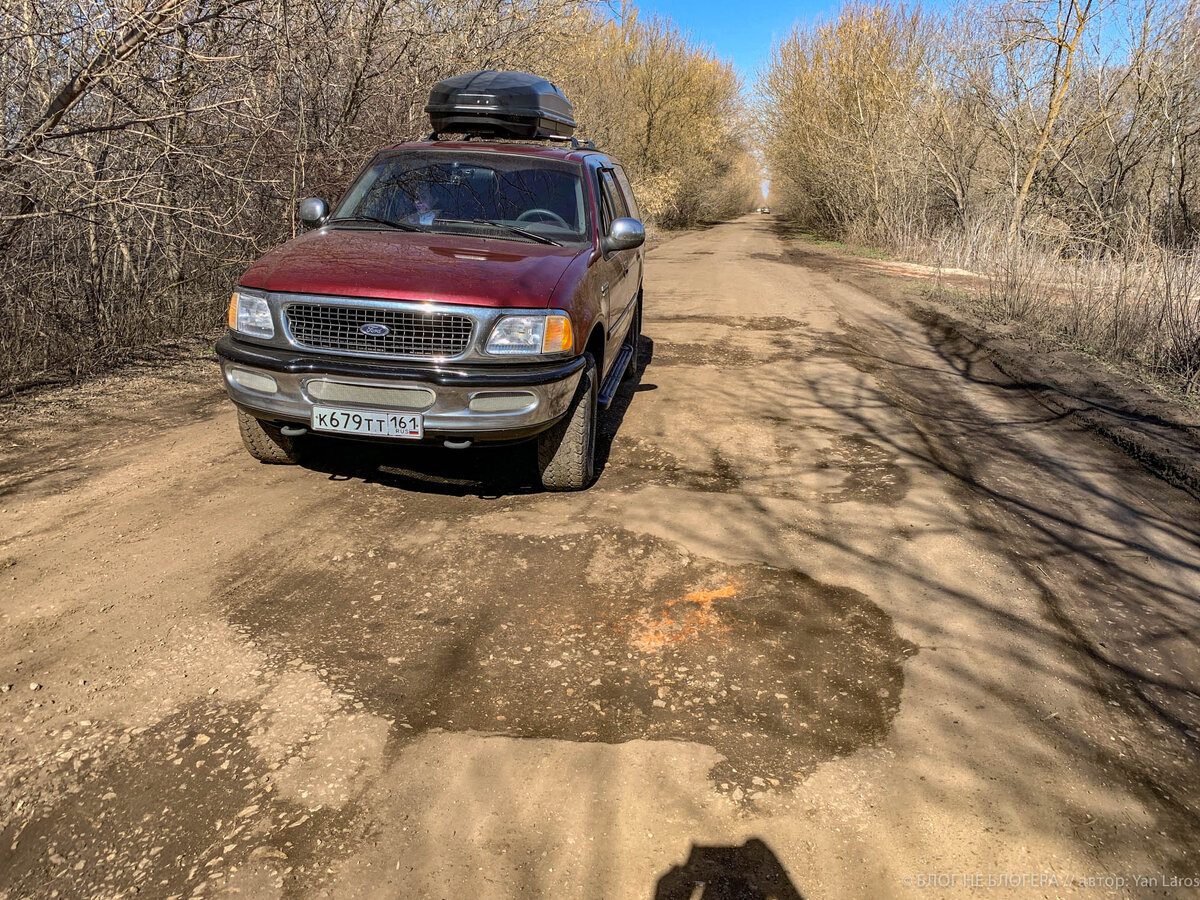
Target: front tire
[[265, 442], [567, 451]]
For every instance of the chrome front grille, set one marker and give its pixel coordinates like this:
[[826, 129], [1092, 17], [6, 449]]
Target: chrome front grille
[[334, 327]]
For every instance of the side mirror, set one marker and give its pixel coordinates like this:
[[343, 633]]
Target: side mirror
[[625, 234], [313, 211]]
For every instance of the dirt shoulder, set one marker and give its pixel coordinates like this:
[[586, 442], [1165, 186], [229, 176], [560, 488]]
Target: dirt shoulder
[[1160, 431], [51, 435]]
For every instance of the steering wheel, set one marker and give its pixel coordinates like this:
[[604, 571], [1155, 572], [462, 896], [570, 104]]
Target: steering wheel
[[545, 214]]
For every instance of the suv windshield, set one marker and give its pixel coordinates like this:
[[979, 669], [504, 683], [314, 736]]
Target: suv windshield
[[485, 194]]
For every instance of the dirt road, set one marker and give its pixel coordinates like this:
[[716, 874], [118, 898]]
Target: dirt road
[[847, 614]]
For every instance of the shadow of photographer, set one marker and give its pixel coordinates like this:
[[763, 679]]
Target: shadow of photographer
[[749, 872]]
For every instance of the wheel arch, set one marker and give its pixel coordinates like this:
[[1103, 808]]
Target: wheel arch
[[595, 346]]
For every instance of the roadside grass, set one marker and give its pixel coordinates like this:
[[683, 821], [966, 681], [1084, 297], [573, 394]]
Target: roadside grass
[[854, 249], [1138, 313], [966, 303]]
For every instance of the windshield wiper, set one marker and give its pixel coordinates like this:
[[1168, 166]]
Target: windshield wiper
[[512, 229], [399, 226]]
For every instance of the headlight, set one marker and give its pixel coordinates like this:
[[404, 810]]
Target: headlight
[[529, 335], [250, 315]]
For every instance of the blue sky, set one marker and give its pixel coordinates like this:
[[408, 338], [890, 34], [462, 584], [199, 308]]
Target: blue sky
[[740, 31]]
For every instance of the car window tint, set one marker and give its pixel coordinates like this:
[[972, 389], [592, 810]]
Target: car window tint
[[442, 188], [606, 213], [613, 203]]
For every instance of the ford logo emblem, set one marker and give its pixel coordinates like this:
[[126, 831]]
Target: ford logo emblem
[[374, 329]]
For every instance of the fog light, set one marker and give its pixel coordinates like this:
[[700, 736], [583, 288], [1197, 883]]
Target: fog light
[[254, 381], [508, 401]]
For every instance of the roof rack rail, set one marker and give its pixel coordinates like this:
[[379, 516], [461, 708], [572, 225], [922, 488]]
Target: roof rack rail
[[576, 143]]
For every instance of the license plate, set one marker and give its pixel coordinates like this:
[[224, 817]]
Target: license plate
[[377, 422]]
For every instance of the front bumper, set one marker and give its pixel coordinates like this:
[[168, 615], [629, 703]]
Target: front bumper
[[459, 402]]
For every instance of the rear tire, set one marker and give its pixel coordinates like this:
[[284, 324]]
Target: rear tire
[[634, 339], [265, 442], [567, 451]]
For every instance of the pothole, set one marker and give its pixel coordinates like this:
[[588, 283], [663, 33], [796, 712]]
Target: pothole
[[695, 353], [873, 474], [754, 323], [608, 636]]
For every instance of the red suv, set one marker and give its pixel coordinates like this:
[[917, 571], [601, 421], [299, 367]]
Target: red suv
[[459, 292]]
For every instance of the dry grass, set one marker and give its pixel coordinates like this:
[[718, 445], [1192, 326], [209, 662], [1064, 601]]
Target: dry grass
[[1139, 310]]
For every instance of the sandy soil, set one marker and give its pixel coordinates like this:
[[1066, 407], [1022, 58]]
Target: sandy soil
[[849, 613]]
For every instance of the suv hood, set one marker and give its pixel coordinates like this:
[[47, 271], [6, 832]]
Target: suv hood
[[401, 265]]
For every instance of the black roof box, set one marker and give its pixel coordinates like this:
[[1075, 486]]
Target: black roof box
[[491, 103]]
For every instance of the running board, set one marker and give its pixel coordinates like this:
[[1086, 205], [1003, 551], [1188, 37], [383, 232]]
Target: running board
[[613, 382]]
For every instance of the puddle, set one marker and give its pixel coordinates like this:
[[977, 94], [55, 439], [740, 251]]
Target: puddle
[[605, 636]]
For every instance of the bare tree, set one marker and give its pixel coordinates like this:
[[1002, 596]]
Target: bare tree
[[150, 148], [1058, 137]]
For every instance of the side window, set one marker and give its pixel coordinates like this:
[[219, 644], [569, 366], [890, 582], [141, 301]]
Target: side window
[[630, 202], [612, 204]]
